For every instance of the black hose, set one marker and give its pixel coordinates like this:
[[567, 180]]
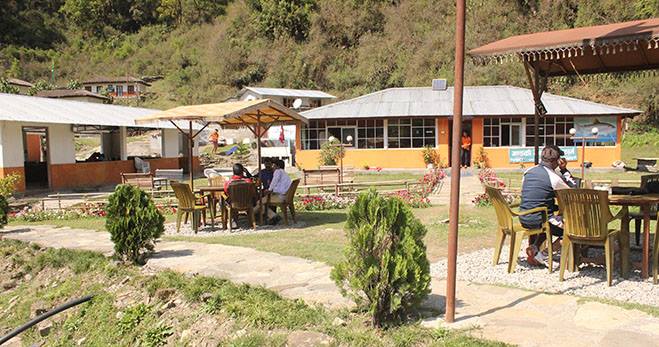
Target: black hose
[[38, 319]]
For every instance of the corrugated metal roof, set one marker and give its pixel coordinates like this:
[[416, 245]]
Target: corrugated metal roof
[[23, 108], [18, 82], [478, 101], [69, 93], [106, 79], [295, 93]]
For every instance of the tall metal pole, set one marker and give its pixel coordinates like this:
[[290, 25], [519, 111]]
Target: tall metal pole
[[454, 208]]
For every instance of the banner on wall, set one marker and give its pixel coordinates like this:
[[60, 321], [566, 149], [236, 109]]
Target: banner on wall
[[607, 127], [525, 154]]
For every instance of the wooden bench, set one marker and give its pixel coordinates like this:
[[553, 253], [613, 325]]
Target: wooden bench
[[348, 172], [140, 180], [163, 176]]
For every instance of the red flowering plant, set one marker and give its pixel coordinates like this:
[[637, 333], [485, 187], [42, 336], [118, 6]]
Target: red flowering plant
[[488, 177], [323, 202]]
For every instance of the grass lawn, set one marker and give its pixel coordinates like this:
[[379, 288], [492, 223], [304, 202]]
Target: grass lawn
[[130, 308], [323, 239]]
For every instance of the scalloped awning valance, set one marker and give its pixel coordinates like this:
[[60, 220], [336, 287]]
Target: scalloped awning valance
[[628, 46]]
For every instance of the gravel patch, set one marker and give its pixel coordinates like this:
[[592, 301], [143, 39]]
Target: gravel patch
[[243, 229], [589, 281]]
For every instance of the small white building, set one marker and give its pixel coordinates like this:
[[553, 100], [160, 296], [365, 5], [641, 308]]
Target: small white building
[[126, 87], [309, 98], [37, 142]]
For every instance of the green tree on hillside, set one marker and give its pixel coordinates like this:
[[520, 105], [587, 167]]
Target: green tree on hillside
[[275, 18]]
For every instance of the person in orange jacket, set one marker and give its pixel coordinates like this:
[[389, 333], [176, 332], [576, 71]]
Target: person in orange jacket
[[465, 155]]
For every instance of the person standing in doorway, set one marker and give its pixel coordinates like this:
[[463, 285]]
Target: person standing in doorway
[[214, 138], [466, 150]]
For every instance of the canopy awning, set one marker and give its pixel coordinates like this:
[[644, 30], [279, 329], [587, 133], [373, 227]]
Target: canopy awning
[[628, 46], [233, 113]]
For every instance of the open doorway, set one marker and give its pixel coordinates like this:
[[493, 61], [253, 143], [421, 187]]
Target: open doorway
[[466, 126], [35, 153]]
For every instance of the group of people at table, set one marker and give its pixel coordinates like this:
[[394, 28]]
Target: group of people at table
[[274, 181], [539, 186]]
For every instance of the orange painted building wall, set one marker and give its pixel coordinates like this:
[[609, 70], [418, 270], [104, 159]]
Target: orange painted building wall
[[497, 157], [94, 174]]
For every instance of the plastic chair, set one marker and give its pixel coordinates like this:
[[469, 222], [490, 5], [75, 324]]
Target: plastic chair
[[646, 180], [242, 196], [586, 216], [187, 204], [288, 202], [515, 230]]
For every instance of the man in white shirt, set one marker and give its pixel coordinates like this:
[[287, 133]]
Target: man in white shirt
[[278, 188]]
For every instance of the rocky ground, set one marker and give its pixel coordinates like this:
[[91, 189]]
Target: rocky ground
[[589, 281]]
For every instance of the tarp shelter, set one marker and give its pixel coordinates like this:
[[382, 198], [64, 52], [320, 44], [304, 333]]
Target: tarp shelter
[[618, 47], [257, 115]]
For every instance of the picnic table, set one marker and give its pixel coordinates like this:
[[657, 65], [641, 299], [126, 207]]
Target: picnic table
[[644, 201], [213, 192]]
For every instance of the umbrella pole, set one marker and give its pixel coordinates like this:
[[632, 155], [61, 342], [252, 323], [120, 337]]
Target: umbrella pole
[[258, 140], [190, 161]]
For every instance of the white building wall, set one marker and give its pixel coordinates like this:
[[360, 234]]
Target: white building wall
[[60, 140], [62, 144], [11, 145], [170, 143]]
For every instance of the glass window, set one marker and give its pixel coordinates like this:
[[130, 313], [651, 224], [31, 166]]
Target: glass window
[[411, 132], [371, 133]]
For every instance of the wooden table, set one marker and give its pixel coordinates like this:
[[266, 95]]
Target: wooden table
[[212, 192], [644, 202]]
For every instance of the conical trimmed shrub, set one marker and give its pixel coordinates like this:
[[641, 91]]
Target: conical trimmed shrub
[[133, 221], [385, 268]]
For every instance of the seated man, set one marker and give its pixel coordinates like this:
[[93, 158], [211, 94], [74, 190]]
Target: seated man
[[266, 174], [538, 190], [238, 175], [278, 188]]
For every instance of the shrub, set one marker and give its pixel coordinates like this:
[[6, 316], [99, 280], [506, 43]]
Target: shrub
[[330, 153], [431, 156], [385, 267], [8, 185], [4, 211], [133, 221]]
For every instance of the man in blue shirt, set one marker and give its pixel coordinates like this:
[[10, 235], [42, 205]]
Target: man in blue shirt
[[538, 190], [266, 174]]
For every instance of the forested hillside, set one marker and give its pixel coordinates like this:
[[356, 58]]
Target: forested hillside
[[206, 50]]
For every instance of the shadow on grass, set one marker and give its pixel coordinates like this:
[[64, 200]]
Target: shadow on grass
[[317, 218]]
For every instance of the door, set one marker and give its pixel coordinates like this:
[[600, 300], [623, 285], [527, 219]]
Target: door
[[36, 158], [466, 126]]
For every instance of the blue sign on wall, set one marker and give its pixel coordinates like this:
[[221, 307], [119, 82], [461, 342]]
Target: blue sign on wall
[[606, 126], [525, 154]]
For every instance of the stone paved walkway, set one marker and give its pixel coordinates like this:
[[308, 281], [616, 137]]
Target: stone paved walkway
[[291, 277], [515, 316], [527, 318]]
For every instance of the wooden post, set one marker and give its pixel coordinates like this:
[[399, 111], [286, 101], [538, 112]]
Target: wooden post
[[454, 207], [190, 161]]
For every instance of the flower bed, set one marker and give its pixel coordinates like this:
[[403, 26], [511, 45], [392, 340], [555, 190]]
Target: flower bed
[[84, 210], [488, 177]]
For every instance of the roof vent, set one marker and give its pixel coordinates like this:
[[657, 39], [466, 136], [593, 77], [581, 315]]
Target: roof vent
[[439, 84]]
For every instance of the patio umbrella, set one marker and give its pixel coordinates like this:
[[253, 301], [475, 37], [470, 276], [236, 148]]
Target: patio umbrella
[[610, 48], [256, 115]]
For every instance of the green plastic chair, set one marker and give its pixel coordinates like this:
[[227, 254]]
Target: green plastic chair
[[586, 216], [187, 204], [515, 230]]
